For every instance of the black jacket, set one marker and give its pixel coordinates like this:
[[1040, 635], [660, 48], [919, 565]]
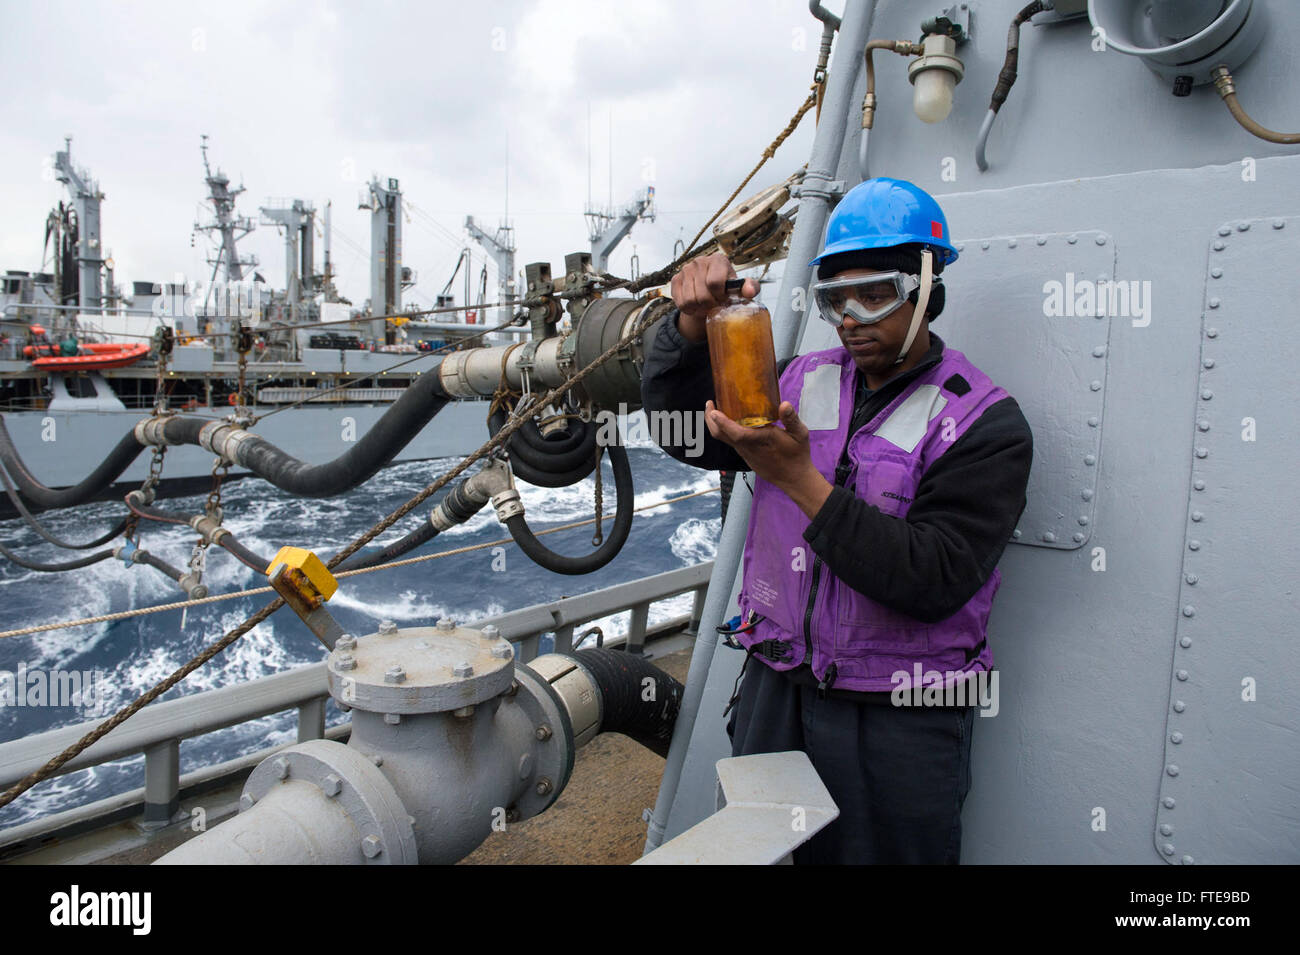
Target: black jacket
[[926, 565]]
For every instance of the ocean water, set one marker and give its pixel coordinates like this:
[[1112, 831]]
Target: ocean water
[[127, 657]]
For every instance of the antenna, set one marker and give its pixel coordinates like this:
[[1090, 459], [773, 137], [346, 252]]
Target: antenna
[[507, 177], [611, 156], [588, 154]]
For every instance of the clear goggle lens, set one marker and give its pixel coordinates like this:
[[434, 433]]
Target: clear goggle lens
[[865, 300]]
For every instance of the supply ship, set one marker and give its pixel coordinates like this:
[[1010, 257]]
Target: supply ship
[[1125, 220]]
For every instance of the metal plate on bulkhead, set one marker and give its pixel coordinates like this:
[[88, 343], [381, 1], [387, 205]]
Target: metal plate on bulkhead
[[1233, 717], [1033, 312]]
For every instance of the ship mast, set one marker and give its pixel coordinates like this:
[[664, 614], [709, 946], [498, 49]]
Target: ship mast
[[230, 226]]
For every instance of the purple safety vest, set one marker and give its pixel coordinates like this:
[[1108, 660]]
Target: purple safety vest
[[803, 603]]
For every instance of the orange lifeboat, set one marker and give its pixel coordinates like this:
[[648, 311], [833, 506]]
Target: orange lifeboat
[[92, 357]]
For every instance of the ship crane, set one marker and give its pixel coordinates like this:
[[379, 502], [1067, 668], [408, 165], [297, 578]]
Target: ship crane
[[86, 199], [608, 227], [501, 247]]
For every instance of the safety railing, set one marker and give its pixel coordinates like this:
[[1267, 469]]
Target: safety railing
[[158, 730]]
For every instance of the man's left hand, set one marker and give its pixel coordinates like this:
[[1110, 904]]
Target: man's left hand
[[778, 453]]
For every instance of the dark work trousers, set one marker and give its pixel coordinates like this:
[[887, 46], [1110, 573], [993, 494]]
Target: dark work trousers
[[898, 774]]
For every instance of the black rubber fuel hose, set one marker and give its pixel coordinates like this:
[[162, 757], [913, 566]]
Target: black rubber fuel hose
[[86, 561], [543, 468], [40, 497], [560, 564], [639, 699], [456, 504], [419, 403], [16, 500]]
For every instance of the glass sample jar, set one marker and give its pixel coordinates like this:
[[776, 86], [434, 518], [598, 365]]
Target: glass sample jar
[[743, 359]]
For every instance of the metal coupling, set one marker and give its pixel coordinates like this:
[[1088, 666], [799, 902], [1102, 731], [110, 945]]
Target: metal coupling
[[193, 587], [507, 505], [149, 431], [1223, 81], [868, 110], [223, 439], [209, 528]]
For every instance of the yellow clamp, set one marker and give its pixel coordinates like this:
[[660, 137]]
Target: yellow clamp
[[304, 573]]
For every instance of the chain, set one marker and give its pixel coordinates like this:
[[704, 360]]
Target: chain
[[163, 342], [599, 536]]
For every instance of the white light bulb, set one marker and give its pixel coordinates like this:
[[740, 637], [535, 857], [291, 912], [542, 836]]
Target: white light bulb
[[932, 98]]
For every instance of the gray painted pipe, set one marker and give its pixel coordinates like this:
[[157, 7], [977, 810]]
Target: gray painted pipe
[[837, 110]]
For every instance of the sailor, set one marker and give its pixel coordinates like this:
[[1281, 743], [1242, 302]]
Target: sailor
[[883, 500]]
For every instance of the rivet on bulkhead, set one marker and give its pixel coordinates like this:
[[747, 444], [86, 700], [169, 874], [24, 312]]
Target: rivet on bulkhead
[[1279, 223], [1049, 537], [1166, 829], [1172, 769], [1016, 534], [1095, 386], [1191, 579], [1077, 537], [985, 244], [1179, 706], [1011, 243], [1189, 611], [1182, 675], [1216, 273], [1083, 520], [1169, 802], [1210, 332], [1175, 738], [1101, 240], [1225, 230], [1184, 641], [1207, 394], [1218, 245], [959, 246], [1187, 860], [1202, 452], [1198, 484], [1090, 459], [1072, 239], [1193, 545], [1093, 421], [1086, 494], [1243, 226], [1198, 516], [1213, 303], [1042, 240], [1168, 848], [1099, 351]]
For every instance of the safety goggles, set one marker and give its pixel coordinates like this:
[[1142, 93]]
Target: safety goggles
[[865, 300]]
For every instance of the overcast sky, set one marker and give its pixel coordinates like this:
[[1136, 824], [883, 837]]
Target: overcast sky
[[309, 99]]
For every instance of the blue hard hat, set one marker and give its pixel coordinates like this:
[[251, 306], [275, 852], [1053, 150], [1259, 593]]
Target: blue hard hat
[[881, 213]]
